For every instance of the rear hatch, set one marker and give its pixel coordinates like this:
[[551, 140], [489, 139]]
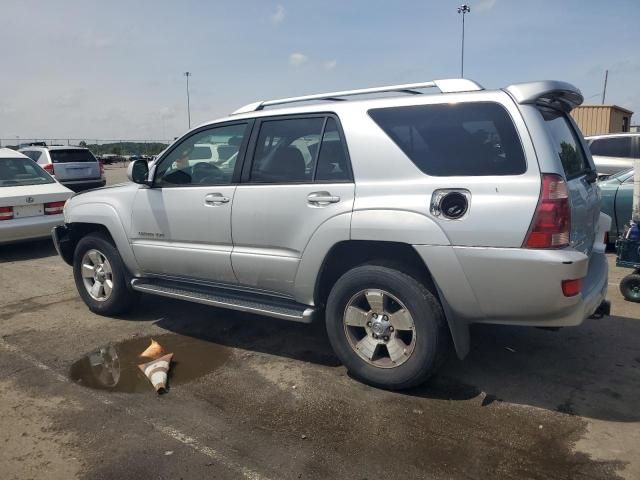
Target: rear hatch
[[74, 164], [579, 172]]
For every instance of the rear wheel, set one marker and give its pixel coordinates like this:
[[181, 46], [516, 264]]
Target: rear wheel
[[100, 276], [630, 287], [386, 327]]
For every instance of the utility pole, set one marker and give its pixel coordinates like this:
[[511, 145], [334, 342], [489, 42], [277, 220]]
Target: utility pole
[[463, 9], [604, 89], [188, 74]]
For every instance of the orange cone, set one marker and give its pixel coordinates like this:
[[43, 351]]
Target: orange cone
[[154, 350], [157, 371]]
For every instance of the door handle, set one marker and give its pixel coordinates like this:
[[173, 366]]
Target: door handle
[[215, 199], [317, 198]]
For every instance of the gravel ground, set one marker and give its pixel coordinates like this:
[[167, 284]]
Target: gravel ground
[[258, 398]]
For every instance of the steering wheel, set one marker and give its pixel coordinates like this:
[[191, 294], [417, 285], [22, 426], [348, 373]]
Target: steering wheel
[[205, 172]]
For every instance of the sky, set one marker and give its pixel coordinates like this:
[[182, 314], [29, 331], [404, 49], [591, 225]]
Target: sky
[[115, 69]]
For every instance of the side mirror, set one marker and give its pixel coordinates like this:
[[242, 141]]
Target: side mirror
[[138, 172]]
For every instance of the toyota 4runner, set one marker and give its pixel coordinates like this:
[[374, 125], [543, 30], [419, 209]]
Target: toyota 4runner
[[398, 220]]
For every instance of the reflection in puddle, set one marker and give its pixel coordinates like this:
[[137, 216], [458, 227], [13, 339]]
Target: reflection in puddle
[[114, 367]]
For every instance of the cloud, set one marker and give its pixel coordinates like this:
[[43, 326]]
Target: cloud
[[296, 59], [484, 5], [277, 17], [329, 64]]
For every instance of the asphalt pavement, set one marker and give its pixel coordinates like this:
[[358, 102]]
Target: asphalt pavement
[[257, 398]]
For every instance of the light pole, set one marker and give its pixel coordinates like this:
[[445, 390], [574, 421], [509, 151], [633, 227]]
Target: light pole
[[463, 9], [188, 74]]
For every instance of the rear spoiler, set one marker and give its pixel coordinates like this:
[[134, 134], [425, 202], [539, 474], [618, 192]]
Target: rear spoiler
[[547, 93]]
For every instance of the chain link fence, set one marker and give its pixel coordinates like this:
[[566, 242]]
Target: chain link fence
[[116, 149]]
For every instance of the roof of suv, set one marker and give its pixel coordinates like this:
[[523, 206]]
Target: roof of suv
[[54, 147], [613, 135], [552, 93]]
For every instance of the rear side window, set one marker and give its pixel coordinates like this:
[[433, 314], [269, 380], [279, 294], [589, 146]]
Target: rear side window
[[566, 143], [612, 147], [300, 150], [71, 155], [33, 154], [466, 139]]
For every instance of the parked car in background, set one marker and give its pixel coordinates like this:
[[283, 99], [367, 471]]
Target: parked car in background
[[399, 220], [31, 201], [74, 167], [617, 201], [613, 153]]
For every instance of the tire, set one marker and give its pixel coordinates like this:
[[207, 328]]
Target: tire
[[118, 297], [630, 287], [424, 346]]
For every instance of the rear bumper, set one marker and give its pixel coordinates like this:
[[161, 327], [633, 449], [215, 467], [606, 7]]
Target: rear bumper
[[29, 228], [516, 286], [77, 185]]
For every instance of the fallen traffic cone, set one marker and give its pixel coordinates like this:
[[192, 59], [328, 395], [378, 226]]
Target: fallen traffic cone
[[157, 371], [154, 350]]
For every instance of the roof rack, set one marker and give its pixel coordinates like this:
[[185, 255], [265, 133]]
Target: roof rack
[[451, 85]]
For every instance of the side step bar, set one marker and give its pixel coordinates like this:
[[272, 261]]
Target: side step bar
[[226, 298]]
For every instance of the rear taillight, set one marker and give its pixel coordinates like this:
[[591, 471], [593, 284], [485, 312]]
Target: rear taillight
[[49, 168], [571, 288], [552, 221], [53, 208], [6, 213], [101, 167]]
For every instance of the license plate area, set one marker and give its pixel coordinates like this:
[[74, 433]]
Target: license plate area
[[24, 211]]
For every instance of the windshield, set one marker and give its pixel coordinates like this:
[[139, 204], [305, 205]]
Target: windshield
[[22, 171], [71, 156]]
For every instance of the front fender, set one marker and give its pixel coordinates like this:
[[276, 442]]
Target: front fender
[[107, 216]]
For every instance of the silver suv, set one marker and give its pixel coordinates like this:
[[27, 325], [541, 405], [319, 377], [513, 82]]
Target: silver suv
[[74, 167], [398, 220]]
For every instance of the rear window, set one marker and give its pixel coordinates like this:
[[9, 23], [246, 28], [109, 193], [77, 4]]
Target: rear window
[[466, 139], [70, 156], [15, 172], [612, 147], [566, 143]]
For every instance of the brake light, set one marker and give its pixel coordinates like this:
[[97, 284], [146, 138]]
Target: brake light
[[49, 168], [53, 208], [6, 213], [101, 167], [571, 288], [552, 221]]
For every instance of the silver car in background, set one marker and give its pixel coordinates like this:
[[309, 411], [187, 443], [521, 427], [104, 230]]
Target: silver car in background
[[614, 152], [74, 167]]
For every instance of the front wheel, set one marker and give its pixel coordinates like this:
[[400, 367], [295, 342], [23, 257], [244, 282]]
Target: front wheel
[[386, 327], [100, 276]]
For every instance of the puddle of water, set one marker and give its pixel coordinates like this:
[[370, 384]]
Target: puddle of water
[[114, 367]]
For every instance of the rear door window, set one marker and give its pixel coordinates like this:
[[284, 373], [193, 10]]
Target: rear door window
[[612, 147], [565, 141], [71, 156], [465, 139]]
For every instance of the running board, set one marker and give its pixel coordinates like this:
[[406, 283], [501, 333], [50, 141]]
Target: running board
[[225, 298]]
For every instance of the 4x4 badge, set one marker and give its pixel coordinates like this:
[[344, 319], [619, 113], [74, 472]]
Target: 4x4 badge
[[29, 199]]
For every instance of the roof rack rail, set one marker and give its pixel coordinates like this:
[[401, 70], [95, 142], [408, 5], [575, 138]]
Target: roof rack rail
[[451, 85]]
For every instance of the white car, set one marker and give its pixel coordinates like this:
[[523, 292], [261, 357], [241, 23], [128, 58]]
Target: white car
[[31, 200]]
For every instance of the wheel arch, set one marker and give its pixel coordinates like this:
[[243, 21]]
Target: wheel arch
[[348, 254]]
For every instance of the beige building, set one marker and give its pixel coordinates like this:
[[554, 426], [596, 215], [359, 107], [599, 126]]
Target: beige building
[[600, 119]]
